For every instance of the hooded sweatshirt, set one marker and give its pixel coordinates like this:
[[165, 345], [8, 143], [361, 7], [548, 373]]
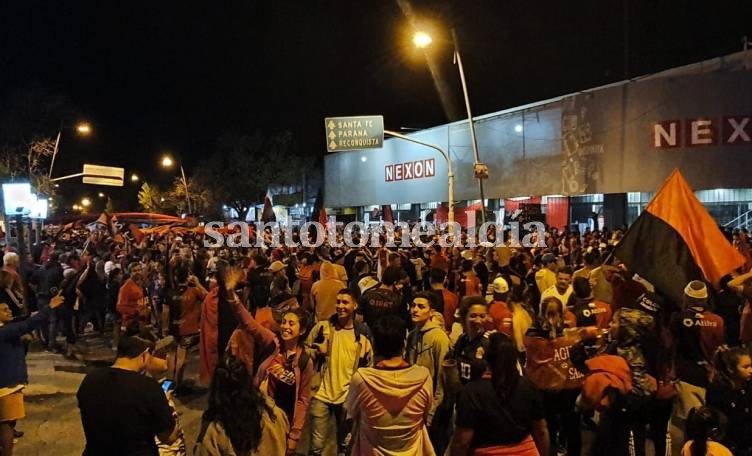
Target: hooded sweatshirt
[[324, 291], [389, 408], [427, 347]]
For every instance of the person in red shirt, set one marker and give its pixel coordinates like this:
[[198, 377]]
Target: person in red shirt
[[469, 281], [132, 305], [447, 302], [499, 311], [184, 310], [439, 260]]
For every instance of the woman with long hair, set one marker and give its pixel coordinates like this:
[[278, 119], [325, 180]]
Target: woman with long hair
[[704, 429], [501, 413], [285, 371], [549, 368], [731, 393], [240, 419]]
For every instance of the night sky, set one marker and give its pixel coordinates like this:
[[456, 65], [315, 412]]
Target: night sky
[[155, 76]]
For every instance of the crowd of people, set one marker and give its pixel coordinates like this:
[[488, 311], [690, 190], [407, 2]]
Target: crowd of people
[[442, 350]]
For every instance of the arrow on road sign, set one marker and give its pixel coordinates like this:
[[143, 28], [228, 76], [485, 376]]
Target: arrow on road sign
[[332, 145], [331, 125]]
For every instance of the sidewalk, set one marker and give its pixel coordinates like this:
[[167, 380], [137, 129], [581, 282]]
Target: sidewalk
[[53, 425]]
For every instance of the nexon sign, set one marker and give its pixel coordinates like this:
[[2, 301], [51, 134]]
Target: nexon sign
[[410, 170], [704, 131]]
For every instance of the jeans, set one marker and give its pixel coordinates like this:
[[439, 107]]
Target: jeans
[[321, 412]]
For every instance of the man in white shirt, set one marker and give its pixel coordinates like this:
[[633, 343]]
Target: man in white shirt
[[342, 345], [563, 287]]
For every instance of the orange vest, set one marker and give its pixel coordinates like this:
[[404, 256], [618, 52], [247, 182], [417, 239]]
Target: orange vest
[[548, 365]]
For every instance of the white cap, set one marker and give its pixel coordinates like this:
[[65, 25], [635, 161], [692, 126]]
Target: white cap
[[500, 285]]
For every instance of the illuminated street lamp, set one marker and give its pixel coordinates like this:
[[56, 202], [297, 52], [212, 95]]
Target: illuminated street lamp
[[168, 162], [82, 128], [134, 177], [101, 195], [422, 40], [85, 202]]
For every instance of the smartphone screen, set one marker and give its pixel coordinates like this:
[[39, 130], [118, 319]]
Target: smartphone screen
[[166, 385]]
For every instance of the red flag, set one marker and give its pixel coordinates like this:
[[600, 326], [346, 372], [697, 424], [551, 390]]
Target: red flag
[[319, 211], [675, 240], [138, 235], [386, 213], [267, 215]]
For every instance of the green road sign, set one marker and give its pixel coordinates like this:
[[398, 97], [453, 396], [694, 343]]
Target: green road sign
[[354, 133]]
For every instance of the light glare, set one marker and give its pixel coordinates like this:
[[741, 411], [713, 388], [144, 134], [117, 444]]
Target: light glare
[[422, 39]]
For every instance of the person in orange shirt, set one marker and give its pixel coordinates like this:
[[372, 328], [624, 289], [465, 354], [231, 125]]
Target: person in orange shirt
[[132, 305], [469, 282], [447, 301]]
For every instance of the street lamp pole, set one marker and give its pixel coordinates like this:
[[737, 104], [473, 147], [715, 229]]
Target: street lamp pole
[[54, 151], [450, 172], [185, 184], [458, 59]]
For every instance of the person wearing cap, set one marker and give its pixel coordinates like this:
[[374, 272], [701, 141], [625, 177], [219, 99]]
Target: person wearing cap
[[277, 267], [545, 277], [697, 334], [498, 310], [135, 411]]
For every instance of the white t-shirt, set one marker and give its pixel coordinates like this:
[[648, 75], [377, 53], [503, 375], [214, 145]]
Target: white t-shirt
[[339, 369], [552, 291]]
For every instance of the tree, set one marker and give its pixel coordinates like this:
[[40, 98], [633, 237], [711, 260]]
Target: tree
[[243, 167], [27, 127], [199, 195], [150, 198]]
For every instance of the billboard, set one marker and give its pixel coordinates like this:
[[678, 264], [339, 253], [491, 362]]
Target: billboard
[[623, 138]]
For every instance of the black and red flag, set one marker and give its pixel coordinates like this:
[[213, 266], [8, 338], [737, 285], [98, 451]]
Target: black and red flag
[[675, 241], [319, 211], [386, 213], [267, 215]]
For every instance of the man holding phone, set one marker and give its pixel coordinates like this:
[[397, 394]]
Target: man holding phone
[[121, 409]]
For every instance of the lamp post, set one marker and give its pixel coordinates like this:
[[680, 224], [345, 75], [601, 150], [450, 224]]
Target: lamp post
[[422, 40], [82, 128], [167, 162]]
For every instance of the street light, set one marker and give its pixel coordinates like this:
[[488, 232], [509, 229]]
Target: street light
[[422, 40], [134, 177], [85, 202], [167, 162], [101, 195], [82, 128]]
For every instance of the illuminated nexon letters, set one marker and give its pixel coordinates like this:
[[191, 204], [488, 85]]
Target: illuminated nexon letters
[[410, 170], [730, 130]]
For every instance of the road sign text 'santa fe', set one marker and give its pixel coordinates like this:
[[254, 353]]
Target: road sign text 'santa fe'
[[354, 133]]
